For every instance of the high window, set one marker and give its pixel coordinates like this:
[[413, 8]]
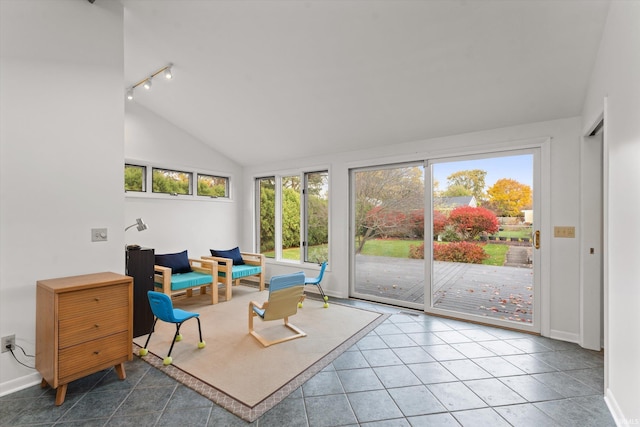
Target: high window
[[213, 186], [135, 178], [171, 181]]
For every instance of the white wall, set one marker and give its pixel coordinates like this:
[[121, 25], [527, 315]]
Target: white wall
[[176, 224], [61, 151], [563, 204], [615, 76]]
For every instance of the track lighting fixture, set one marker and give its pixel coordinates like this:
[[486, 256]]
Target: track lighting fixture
[[146, 83]]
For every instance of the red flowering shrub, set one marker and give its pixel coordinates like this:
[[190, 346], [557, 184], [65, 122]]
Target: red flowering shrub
[[440, 221], [459, 252], [416, 251], [469, 222]]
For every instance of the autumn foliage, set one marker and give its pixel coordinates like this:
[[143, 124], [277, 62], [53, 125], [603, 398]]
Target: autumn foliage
[[459, 252], [439, 222], [508, 197], [469, 222]]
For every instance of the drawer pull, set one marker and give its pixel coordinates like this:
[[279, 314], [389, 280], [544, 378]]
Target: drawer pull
[[96, 352], [97, 299], [96, 325]]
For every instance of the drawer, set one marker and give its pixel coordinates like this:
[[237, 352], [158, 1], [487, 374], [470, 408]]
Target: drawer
[[92, 356], [79, 329], [92, 303]]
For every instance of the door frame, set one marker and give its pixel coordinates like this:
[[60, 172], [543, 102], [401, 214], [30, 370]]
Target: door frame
[[592, 289], [544, 197]]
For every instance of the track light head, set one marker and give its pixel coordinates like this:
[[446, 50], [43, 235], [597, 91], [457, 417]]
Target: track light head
[[130, 94], [147, 84], [168, 73]]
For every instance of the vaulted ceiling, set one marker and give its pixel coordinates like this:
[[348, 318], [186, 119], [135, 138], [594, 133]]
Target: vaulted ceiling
[[263, 80]]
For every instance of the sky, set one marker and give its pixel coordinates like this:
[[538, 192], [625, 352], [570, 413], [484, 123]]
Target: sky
[[518, 168]]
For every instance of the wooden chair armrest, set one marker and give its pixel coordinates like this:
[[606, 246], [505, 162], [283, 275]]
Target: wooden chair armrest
[[253, 258], [204, 266], [262, 306], [163, 275], [162, 270], [218, 259]]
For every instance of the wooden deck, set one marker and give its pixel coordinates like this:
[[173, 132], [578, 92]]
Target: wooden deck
[[504, 292]]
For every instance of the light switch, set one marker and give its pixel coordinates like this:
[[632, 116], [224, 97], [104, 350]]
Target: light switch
[[564, 231], [98, 234]]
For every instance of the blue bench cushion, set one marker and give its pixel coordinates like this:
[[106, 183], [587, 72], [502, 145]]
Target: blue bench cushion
[[188, 280], [244, 270]]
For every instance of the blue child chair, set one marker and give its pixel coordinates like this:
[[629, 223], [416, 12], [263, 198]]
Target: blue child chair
[[162, 309], [316, 281]]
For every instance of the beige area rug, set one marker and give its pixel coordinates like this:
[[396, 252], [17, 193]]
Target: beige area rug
[[234, 370]]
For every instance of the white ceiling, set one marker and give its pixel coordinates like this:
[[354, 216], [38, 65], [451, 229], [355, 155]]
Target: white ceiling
[[281, 79]]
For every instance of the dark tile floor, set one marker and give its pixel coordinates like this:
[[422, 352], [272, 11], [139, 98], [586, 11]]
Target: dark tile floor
[[412, 370]]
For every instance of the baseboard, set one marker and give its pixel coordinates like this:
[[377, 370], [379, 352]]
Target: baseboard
[[21, 383], [616, 413], [564, 336]]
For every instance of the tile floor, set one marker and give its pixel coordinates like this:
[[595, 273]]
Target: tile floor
[[412, 370]]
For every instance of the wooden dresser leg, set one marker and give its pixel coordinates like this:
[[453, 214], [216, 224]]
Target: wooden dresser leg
[[61, 393], [120, 371], [44, 383]]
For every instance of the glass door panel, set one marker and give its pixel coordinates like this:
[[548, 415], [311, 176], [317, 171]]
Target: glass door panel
[[482, 220], [388, 234]]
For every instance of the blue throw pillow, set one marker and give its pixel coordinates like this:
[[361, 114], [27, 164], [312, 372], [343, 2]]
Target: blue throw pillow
[[234, 254], [178, 263]]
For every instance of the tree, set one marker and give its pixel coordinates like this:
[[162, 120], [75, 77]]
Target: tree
[[290, 218], [508, 197], [133, 176], [469, 222], [456, 191], [391, 192], [267, 215], [471, 180]]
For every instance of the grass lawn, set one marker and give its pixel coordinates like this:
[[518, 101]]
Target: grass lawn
[[389, 247], [497, 254], [400, 249], [520, 232], [316, 253]]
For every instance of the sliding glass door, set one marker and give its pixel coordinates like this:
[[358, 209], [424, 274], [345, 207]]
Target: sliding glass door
[[451, 236]]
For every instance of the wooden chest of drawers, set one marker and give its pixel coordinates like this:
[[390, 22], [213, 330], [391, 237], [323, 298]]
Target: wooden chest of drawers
[[84, 324]]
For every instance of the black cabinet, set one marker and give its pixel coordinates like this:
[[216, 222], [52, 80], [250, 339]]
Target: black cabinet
[[140, 266]]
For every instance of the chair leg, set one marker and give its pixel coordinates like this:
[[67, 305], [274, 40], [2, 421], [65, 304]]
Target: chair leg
[[324, 297], [176, 337], [143, 351], [199, 329]]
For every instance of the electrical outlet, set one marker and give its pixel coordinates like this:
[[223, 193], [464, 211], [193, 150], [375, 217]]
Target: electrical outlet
[[8, 343]]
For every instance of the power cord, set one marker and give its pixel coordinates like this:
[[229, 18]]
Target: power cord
[[23, 352]]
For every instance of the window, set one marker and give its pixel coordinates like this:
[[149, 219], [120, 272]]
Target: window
[[171, 182], [135, 178], [266, 218], [213, 186], [301, 230], [316, 228]]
